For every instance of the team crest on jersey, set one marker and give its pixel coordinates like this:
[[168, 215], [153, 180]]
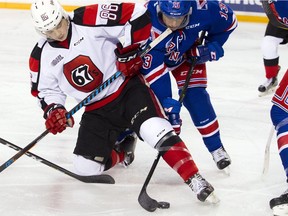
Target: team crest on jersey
[[83, 74]]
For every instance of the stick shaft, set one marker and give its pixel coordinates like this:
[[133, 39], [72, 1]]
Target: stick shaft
[[267, 152]]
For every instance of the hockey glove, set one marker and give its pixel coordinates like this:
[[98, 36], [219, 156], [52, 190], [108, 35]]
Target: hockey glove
[[172, 109], [211, 51], [128, 60], [56, 121]]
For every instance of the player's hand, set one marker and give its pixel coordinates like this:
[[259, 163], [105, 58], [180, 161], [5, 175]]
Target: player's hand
[[128, 60], [172, 109], [56, 120], [211, 51]]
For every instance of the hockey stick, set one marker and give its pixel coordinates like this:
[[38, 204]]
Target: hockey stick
[[84, 102], [68, 115], [144, 199], [106, 179], [267, 152]]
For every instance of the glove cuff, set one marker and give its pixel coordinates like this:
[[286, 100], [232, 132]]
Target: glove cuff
[[50, 108], [120, 51]]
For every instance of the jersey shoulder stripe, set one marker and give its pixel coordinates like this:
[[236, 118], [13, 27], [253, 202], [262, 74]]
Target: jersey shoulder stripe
[[35, 56], [85, 15], [141, 28]]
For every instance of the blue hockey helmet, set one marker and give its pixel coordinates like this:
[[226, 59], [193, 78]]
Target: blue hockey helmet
[[175, 8]]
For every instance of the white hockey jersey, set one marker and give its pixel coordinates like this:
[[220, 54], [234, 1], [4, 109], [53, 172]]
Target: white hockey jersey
[[76, 66]]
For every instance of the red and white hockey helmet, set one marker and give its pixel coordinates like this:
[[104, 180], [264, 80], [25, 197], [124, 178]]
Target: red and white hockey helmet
[[47, 14]]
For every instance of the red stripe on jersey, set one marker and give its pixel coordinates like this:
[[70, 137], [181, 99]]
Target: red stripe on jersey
[[154, 34], [193, 83], [142, 34], [127, 11], [179, 158], [281, 95], [34, 64], [198, 78], [90, 13], [154, 75], [282, 141], [232, 26]]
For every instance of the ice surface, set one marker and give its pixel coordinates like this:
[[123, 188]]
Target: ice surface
[[29, 188]]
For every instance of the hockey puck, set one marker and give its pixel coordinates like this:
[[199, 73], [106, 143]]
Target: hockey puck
[[163, 205]]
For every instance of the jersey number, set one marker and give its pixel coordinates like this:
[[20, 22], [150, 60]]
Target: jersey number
[[107, 12], [83, 74]]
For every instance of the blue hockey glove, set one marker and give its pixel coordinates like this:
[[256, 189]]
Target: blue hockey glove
[[211, 51], [172, 109]]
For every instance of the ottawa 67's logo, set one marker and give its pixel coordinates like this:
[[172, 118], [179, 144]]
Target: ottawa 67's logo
[[83, 74]]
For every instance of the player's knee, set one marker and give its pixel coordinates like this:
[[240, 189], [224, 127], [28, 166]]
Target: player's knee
[[154, 129], [198, 91], [269, 47], [86, 167], [195, 96]]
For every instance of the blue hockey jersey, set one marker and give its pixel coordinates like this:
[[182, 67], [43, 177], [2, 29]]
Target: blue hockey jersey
[[214, 17]]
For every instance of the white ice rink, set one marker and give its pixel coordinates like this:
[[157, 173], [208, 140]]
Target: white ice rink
[[29, 188]]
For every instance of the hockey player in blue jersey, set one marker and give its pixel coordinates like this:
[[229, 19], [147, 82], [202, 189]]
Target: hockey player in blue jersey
[[277, 12], [187, 19]]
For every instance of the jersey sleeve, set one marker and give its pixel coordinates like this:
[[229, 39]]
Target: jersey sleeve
[[280, 97], [224, 22], [156, 72], [40, 80], [154, 67], [34, 62]]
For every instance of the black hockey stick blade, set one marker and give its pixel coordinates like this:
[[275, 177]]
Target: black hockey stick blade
[[146, 201], [105, 179], [150, 204]]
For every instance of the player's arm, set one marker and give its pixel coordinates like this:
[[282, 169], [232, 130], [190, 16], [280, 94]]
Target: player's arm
[[127, 21], [51, 100], [157, 74], [136, 35], [223, 23]]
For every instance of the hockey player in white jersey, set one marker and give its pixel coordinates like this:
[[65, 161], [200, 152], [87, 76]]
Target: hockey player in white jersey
[[273, 38], [78, 53]]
